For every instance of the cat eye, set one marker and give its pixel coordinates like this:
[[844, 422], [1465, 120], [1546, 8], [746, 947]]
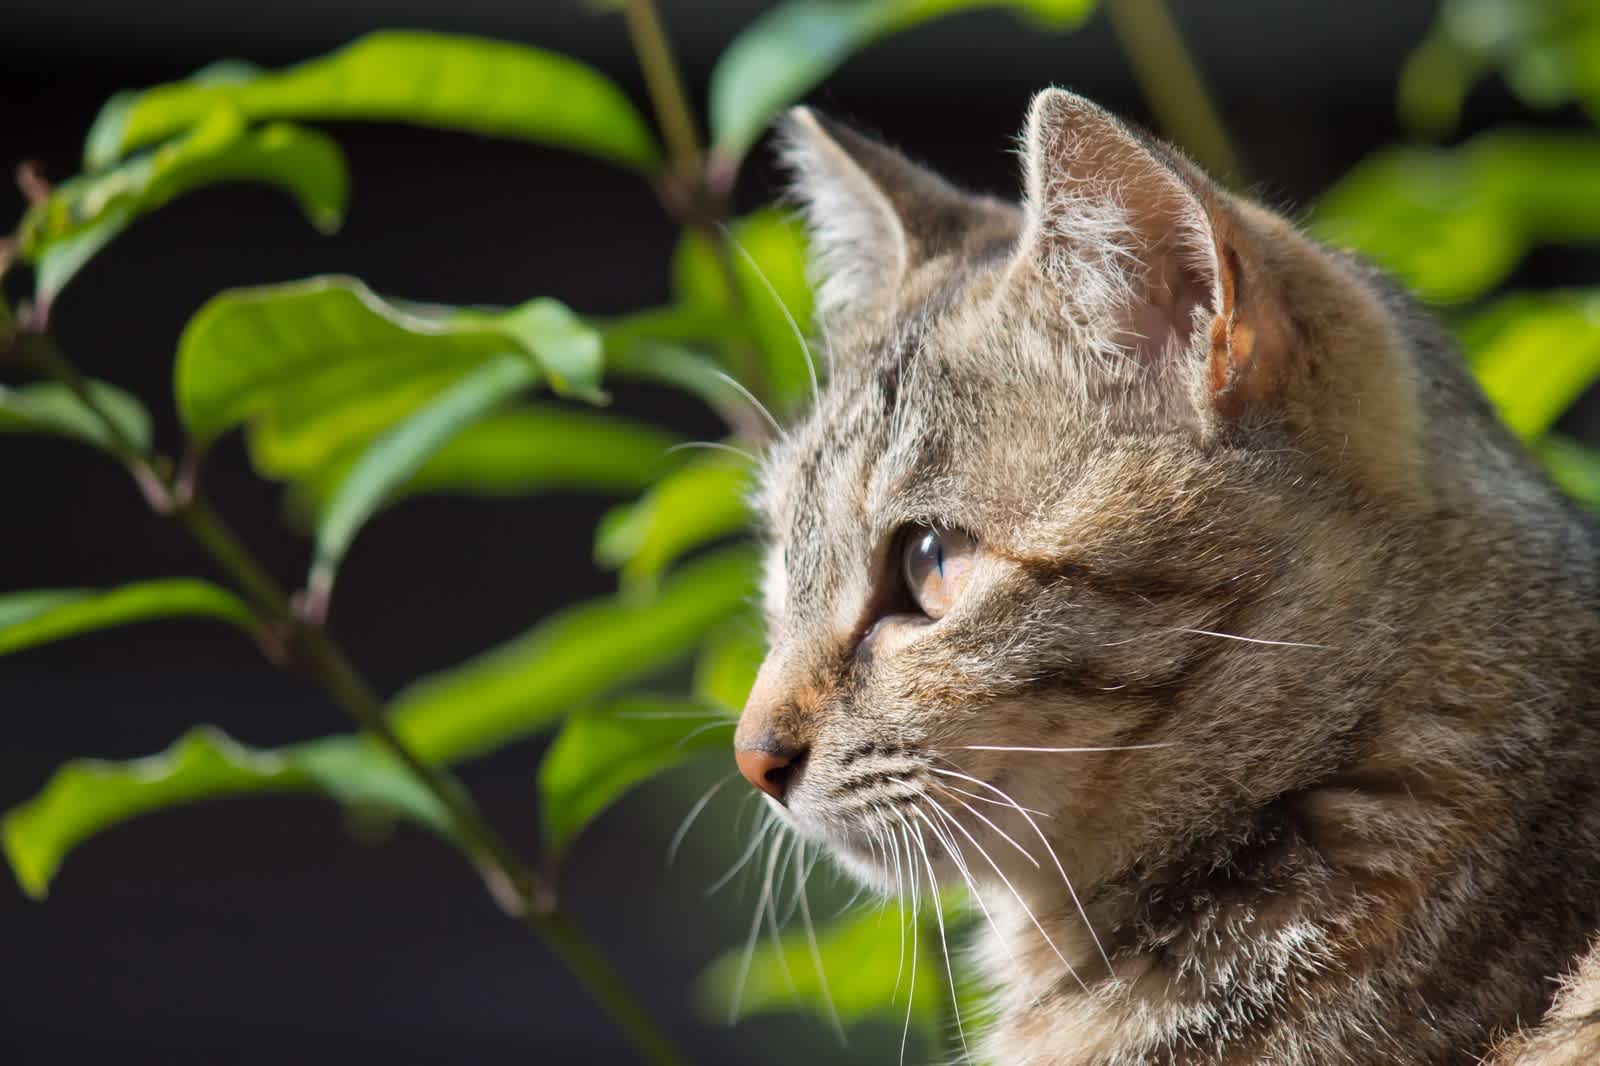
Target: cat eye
[[935, 564]]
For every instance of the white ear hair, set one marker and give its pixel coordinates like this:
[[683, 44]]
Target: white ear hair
[[1122, 233], [859, 249]]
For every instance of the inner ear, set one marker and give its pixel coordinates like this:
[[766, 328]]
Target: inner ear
[[1116, 224]]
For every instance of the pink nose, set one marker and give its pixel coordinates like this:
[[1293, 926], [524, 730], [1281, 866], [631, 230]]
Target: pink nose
[[768, 770]]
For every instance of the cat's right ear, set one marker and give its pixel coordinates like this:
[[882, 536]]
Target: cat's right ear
[[872, 214]]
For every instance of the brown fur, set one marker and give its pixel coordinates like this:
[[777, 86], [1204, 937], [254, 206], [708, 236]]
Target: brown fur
[[1244, 515]]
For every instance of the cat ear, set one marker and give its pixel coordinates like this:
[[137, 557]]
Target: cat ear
[[1145, 253], [873, 215]]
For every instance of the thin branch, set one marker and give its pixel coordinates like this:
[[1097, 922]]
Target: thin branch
[[665, 85], [510, 880], [1173, 86], [690, 197]]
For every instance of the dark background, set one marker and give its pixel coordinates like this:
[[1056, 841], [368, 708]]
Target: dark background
[[257, 931]]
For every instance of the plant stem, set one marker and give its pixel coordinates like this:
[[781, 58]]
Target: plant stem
[[510, 880], [692, 197], [1172, 85], [665, 85]]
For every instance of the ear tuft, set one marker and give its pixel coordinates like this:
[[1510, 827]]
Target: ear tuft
[[1147, 257], [1113, 222], [858, 245], [873, 214]]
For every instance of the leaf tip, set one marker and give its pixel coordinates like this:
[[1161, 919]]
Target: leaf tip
[[32, 869]]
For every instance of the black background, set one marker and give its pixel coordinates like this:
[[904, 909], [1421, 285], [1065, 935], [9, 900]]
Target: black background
[[258, 931]]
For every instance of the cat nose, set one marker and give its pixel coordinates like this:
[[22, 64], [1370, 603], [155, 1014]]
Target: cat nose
[[770, 768]]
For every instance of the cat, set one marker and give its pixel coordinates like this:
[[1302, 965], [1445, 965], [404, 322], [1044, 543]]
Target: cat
[[1163, 576]]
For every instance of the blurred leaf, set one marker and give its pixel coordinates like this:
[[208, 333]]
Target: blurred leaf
[[1453, 223], [568, 660], [86, 796], [602, 752], [631, 353], [769, 263], [571, 351], [1574, 467], [699, 502], [391, 460], [38, 617], [459, 83], [318, 343], [728, 661], [1535, 353], [53, 409], [82, 215], [1548, 52], [793, 46], [861, 954], [528, 449]]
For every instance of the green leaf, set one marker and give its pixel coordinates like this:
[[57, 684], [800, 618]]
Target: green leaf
[[89, 795], [633, 353], [773, 310], [1545, 50], [304, 351], [53, 409], [602, 752], [82, 215], [726, 668], [1535, 353], [1573, 466], [391, 460], [526, 450], [38, 617], [1454, 222], [861, 955], [699, 502], [568, 660], [571, 351], [793, 46], [427, 79]]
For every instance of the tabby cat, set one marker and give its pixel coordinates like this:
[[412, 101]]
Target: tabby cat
[[1163, 575]]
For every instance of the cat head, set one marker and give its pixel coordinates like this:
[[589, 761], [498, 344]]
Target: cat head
[[1077, 546]]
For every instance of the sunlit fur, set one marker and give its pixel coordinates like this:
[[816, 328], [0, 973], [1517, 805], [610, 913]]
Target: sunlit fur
[[1337, 630]]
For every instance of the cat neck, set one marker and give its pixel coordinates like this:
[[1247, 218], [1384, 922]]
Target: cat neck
[[1375, 916]]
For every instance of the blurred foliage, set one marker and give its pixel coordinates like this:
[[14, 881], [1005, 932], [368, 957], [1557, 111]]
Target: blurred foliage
[[356, 402], [1547, 51]]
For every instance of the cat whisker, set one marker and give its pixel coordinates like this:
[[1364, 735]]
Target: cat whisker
[[1220, 635], [1017, 896], [743, 860], [1001, 833], [1062, 870], [805, 348], [952, 847], [985, 799], [662, 715], [715, 446], [699, 729], [944, 943], [1025, 748], [900, 915], [751, 398], [755, 926], [801, 876], [1254, 640], [694, 813], [770, 893], [916, 922]]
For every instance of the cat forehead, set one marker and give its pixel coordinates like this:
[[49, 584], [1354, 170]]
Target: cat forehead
[[912, 421]]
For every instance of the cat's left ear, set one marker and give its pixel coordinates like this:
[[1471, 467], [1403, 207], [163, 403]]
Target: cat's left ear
[[1147, 254], [873, 215]]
